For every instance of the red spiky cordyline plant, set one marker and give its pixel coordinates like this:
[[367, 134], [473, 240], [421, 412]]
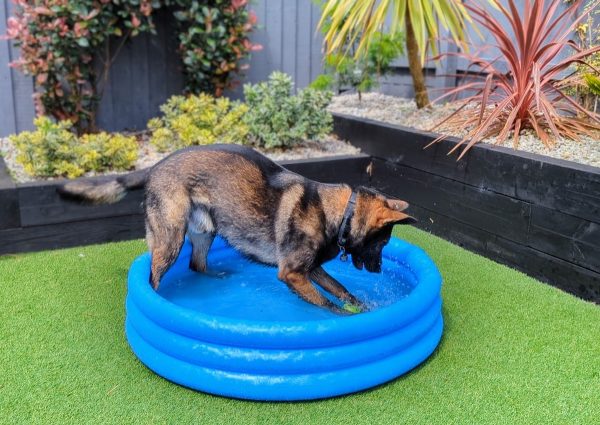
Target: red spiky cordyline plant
[[531, 94]]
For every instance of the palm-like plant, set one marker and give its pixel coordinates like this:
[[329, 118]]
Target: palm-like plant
[[358, 21], [532, 93]]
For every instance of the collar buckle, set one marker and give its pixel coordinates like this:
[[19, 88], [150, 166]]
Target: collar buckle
[[344, 256]]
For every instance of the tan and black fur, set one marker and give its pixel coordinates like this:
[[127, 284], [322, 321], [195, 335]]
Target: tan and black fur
[[270, 214]]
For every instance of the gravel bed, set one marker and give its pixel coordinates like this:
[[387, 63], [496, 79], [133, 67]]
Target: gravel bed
[[395, 110], [148, 155]]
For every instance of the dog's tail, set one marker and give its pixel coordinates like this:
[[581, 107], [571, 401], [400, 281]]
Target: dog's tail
[[105, 192]]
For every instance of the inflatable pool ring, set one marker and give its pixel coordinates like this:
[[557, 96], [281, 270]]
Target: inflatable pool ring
[[237, 331]]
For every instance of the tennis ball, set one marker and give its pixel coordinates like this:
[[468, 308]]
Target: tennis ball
[[352, 308]]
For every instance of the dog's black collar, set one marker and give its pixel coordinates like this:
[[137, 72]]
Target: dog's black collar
[[344, 230]]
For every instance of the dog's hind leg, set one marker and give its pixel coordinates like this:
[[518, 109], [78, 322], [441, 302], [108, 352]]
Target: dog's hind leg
[[335, 288], [201, 243], [201, 231], [164, 252], [165, 231]]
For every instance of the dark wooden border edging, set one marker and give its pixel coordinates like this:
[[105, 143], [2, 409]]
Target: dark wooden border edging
[[34, 217], [537, 214]]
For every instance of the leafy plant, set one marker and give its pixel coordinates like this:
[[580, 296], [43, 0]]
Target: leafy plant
[[587, 85], [276, 118], [53, 150], [593, 83], [57, 42], [531, 95], [108, 151], [323, 82], [59, 39], [362, 73], [214, 39], [348, 21], [198, 120]]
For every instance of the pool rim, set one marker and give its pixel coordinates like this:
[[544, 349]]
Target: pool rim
[[290, 334]]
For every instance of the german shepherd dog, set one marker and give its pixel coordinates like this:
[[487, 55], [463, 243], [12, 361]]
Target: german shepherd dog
[[268, 213]]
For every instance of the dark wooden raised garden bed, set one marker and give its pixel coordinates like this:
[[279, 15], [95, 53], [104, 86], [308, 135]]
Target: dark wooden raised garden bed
[[34, 217], [537, 214]]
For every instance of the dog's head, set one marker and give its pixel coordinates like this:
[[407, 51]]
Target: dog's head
[[371, 227]]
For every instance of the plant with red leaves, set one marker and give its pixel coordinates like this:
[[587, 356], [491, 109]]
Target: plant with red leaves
[[214, 39], [58, 40], [531, 94]]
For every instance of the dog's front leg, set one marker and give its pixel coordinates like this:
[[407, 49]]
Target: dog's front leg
[[301, 285], [335, 288]]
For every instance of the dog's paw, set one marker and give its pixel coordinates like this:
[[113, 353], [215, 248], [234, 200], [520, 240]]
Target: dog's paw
[[340, 311], [355, 305]]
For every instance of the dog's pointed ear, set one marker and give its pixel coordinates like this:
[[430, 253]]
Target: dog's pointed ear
[[392, 216], [397, 204]]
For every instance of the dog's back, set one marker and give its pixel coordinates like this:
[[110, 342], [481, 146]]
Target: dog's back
[[226, 189]]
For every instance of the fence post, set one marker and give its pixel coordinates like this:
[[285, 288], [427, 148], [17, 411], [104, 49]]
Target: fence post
[[7, 117]]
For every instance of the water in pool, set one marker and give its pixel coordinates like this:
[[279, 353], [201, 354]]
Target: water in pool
[[236, 287]]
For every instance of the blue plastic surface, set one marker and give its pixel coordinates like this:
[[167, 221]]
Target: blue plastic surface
[[237, 331]]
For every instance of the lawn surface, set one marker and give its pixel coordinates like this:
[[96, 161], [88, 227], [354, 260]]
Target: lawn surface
[[514, 351]]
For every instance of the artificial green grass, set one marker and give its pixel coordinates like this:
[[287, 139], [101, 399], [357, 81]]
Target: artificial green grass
[[514, 351]]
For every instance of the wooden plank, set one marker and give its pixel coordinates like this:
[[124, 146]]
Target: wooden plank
[[274, 28], [569, 277], [316, 56], [174, 76], [482, 209], [121, 82], [54, 236], [157, 65], [289, 37], [305, 37], [259, 61], [556, 184], [571, 238], [6, 181], [23, 100], [22, 88], [9, 200], [446, 67], [572, 189], [7, 106], [139, 112], [351, 170], [105, 113], [9, 208], [400, 145], [42, 205]]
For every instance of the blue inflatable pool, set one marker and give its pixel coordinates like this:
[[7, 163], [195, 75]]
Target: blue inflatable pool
[[239, 332]]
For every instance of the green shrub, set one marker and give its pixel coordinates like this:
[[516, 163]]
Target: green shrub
[[104, 151], [276, 118], [361, 74], [198, 120], [53, 150]]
